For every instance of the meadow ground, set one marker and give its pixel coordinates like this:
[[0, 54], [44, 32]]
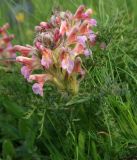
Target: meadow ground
[[100, 123]]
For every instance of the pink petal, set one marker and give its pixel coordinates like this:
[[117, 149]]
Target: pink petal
[[84, 28], [24, 50], [63, 27], [67, 64], [93, 22], [57, 35], [87, 52], [89, 12], [24, 60], [82, 40], [7, 39], [77, 67], [40, 78], [79, 48], [72, 36], [38, 89], [92, 37], [25, 71], [46, 61]]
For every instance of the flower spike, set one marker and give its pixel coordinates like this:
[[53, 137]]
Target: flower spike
[[58, 50]]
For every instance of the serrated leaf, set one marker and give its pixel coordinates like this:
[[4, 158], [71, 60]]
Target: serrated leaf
[[77, 101]]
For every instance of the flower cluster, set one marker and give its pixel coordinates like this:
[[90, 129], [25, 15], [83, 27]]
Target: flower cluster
[[56, 55], [6, 49]]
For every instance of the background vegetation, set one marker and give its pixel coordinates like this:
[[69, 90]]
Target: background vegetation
[[98, 124]]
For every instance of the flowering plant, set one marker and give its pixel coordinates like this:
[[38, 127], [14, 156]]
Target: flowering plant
[[7, 53], [58, 49]]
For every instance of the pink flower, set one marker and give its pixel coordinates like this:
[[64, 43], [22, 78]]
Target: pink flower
[[24, 60], [7, 38], [40, 79], [26, 71], [57, 35], [77, 67], [67, 63], [72, 35], [23, 50], [93, 22], [46, 60], [4, 28], [79, 12], [38, 89], [45, 25], [84, 27], [82, 40], [87, 14], [38, 28], [92, 37], [79, 48], [7, 51], [1, 49], [63, 28], [57, 48], [87, 52]]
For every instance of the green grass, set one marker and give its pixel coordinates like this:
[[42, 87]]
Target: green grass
[[100, 123]]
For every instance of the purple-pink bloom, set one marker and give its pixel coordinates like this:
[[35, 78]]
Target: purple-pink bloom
[[87, 52], [57, 49], [38, 89], [25, 71], [82, 40], [67, 64], [92, 37], [93, 22], [85, 15], [46, 62]]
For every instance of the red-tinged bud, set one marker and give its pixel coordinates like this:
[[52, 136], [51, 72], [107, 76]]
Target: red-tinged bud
[[57, 35], [63, 54], [4, 27], [40, 78], [79, 12], [22, 49], [58, 20], [63, 27], [1, 49], [46, 60], [39, 46], [24, 60], [7, 39], [77, 66], [89, 12], [72, 37], [6, 49], [38, 28], [45, 25], [79, 48], [1, 30], [84, 28]]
